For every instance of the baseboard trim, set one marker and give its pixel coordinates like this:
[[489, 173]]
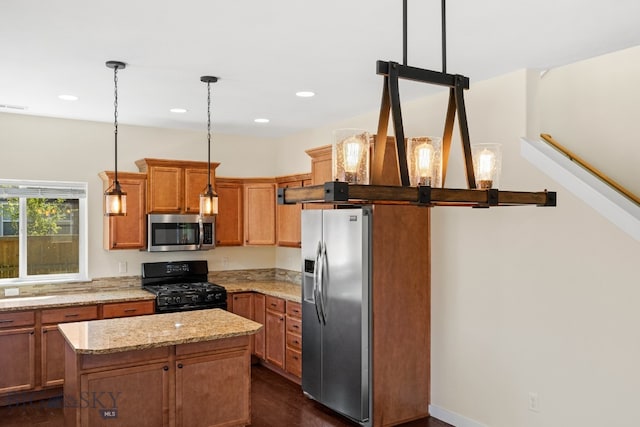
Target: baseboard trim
[[452, 418]]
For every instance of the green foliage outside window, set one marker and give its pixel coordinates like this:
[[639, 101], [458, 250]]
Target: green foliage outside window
[[43, 215]]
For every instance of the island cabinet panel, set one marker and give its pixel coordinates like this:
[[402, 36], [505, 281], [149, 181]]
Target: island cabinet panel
[[135, 396], [18, 364], [230, 218], [259, 316], [275, 331], [128, 231], [212, 391]]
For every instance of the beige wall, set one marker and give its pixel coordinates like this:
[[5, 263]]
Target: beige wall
[[524, 299]]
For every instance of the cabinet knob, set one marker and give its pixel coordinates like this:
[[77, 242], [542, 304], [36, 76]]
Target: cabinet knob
[[179, 365], [165, 368], [31, 333]]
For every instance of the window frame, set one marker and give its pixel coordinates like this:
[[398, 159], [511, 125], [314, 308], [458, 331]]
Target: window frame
[[76, 190]]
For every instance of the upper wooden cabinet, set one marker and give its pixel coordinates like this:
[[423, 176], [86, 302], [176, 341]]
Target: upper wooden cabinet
[[129, 231], [288, 216], [174, 186], [230, 218], [260, 211], [321, 171]]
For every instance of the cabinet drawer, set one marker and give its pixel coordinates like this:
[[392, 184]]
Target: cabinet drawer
[[294, 309], [294, 341], [126, 309], [294, 325], [294, 362], [70, 314], [275, 304], [19, 318]]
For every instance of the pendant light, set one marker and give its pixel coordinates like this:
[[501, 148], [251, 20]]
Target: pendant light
[[115, 200], [208, 198]]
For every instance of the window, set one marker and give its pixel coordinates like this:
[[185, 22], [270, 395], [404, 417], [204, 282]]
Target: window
[[43, 231]]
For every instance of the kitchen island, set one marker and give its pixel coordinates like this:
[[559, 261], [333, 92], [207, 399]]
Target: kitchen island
[[177, 369]]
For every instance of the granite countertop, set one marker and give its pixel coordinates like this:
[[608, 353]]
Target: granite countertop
[[285, 290], [73, 299], [156, 330]]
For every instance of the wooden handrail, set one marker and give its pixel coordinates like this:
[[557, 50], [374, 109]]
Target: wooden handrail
[[577, 159]]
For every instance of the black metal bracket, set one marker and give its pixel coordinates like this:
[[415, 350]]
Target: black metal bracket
[[280, 197], [492, 197], [336, 191], [424, 195], [551, 199]]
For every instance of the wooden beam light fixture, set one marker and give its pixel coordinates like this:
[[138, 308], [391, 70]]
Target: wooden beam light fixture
[[383, 191]]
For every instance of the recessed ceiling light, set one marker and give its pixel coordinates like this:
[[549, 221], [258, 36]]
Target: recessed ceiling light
[[261, 120], [68, 97], [305, 94], [178, 110]]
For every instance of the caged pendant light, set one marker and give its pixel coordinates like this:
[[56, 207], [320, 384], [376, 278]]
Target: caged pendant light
[[115, 200], [208, 198]]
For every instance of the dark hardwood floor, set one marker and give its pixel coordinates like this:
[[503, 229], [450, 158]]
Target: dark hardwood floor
[[275, 402]]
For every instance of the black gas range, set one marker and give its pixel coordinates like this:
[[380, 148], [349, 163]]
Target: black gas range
[[182, 285]]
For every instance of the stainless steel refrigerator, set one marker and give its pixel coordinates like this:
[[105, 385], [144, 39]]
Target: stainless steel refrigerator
[[336, 314]]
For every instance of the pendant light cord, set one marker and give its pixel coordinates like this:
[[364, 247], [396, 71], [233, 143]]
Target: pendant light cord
[[115, 121], [209, 135], [444, 37]]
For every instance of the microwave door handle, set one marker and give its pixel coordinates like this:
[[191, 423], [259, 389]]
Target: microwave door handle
[[201, 232], [316, 279]]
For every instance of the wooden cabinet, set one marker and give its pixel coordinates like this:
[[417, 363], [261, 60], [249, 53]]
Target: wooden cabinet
[[230, 218], [52, 342], [259, 316], [129, 231], [293, 359], [321, 171], [127, 309], [275, 331], [174, 186], [242, 305], [17, 334], [260, 212], [288, 216], [196, 384]]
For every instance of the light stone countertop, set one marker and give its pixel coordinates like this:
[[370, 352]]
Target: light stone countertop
[[156, 330], [285, 290], [73, 299]]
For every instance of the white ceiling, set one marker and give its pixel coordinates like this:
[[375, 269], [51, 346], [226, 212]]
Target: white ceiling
[[264, 51]]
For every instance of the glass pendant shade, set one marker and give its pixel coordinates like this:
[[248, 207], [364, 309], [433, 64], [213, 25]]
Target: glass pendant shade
[[351, 156], [115, 201], [487, 165], [425, 161], [208, 202]]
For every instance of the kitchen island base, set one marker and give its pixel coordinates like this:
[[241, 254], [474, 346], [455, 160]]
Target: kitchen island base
[[195, 384]]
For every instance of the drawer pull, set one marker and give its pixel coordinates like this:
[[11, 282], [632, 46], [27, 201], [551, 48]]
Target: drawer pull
[[296, 342], [71, 315], [6, 320], [295, 326], [295, 357], [131, 310], [274, 304]]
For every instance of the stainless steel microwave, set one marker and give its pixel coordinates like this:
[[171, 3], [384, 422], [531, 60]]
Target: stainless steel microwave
[[167, 232]]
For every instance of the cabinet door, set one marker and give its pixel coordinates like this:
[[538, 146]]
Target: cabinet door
[[52, 361], [17, 359], [289, 220], [275, 337], [259, 316], [260, 214], [242, 305], [213, 390], [229, 221], [195, 181], [139, 395], [165, 189], [129, 231], [321, 171]]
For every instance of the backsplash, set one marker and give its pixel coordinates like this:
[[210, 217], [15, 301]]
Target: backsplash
[[120, 283]]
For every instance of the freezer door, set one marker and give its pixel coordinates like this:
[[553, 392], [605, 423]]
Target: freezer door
[[345, 302], [311, 327]]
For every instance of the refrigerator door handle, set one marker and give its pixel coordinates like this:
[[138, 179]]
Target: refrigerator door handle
[[317, 277], [323, 264]]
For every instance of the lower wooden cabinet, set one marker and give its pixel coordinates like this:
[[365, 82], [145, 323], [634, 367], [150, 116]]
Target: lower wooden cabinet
[[242, 305], [17, 356], [275, 331], [293, 359], [128, 309], [259, 316], [52, 360]]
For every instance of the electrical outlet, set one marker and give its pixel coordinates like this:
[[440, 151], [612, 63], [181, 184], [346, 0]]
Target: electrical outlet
[[122, 267], [11, 292], [534, 402]]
